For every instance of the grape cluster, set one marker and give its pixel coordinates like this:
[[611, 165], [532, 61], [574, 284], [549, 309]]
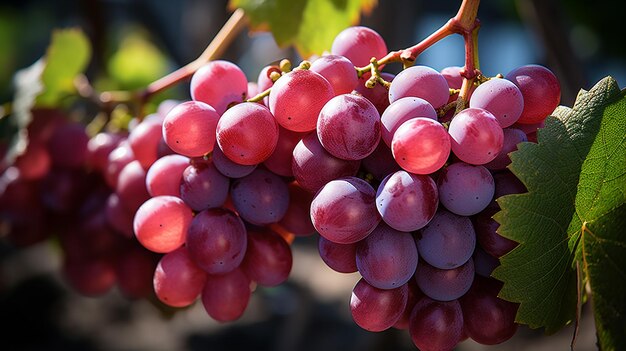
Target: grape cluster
[[59, 188]]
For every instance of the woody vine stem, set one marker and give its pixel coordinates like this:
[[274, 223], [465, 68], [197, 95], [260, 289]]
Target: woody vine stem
[[464, 23]]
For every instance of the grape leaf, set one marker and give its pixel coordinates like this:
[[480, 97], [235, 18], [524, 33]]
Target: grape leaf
[[573, 214], [44, 84], [309, 25]]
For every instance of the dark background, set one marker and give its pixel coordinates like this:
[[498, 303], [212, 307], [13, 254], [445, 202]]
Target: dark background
[[138, 41]]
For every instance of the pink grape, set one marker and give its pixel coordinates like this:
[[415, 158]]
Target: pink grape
[[117, 160], [447, 241], [387, 258], [247, 133], [164, 176], [297, 219], [339, 257], [414, 296], [445, 284], [541, 91], [313, 166], [422, 82], [189, 128], [435, 325], [421, 145], [500, 97], [453, 76], [178, 281], [476, 136], [261, 197], [359, 44], [348, 127], [344, 210], [225, 297], [376, 309], [161, 223], [99, 148], [131, 186], [401, 111], [216, 240], [488, 319], [268, 258], [202, 186], [406, 201], [338, 71], [297, 99], [144, 140], [465, 189], [219, 83], [280, 160]]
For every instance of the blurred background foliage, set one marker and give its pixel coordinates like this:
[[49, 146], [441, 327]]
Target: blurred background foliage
[[135, 42]]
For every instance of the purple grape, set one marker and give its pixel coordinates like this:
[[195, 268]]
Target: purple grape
[[261, 197], [376, 309], [465, 189], [436, 325], [500, 97], [448, 241], [228, 167], [339, 257], [202, 186], [445, 284]]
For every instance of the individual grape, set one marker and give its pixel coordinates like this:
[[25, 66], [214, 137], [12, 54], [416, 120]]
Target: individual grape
[[219, 83], [507, 183], [436, 325], [486, 233], [117, 160], [189, 128], [339, 257], [344, 210], [453, 76], [406, 201], [261, 197], [348, 127], [297, 219], [134, 270], [484, 263], [380, 163], [131, 186], [92, 277], [378, 95], [359, 44], [247, 133], [512, 137], [161, 223], [415, 295], [401, 111], [228, 167], [465, 189], [338, 71], [387, 258], [68, 145], [202, 186], [376, 309], [421, 145], [166, 106], [476, 136], [144, 140], [445, 284], [35, 162], [280, 160], [216, 240], [488, 319], [500, 97], [268, 258], [119, 218], [165, 174], [225, 297], [422, 82], [178, 281], [313, 166], [99, 148], [253, 89], [541, 91], [297, 99], [448, 241]]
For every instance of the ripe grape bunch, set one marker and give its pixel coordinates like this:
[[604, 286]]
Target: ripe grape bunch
[[399, 186]]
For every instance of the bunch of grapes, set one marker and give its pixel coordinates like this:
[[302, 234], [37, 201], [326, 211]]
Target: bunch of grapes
[[59, 188], [371, 169]]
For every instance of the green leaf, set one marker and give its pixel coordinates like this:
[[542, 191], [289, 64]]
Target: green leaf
[[309, 25], [573, 214], [67, 56]]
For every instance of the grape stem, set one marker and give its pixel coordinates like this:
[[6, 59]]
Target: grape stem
[[464, 23]]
